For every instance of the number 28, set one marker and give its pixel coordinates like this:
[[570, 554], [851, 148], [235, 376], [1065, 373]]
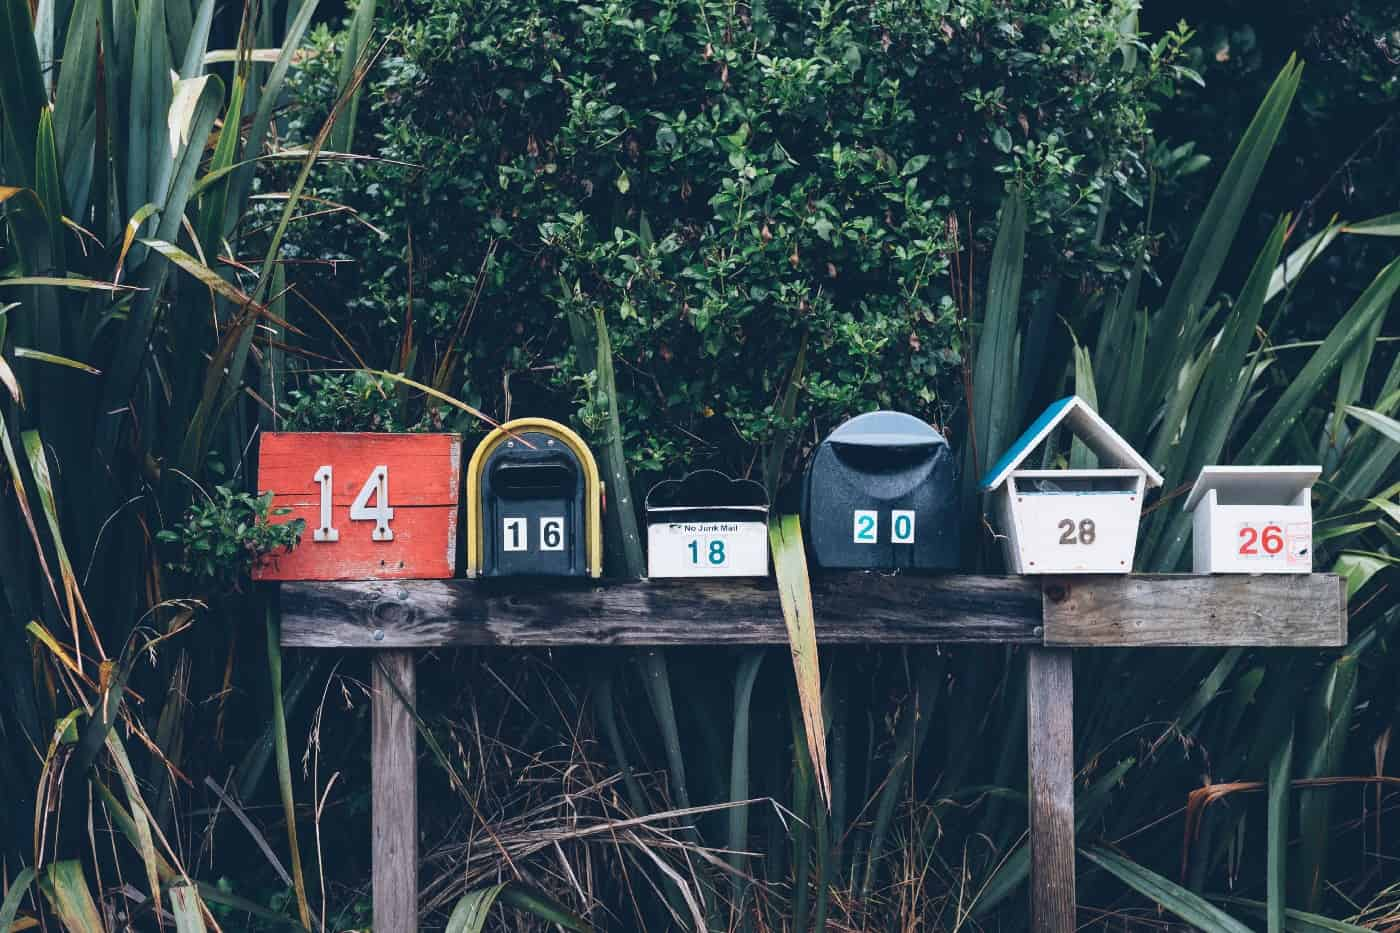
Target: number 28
[[1087, 532]]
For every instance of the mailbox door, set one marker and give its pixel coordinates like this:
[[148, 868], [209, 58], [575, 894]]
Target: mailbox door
[[1259, 538], [532, 511], [874, 508], [1076, 532]]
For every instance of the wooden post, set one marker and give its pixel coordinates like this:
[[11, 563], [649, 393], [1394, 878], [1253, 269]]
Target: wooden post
[[394, 776], [1050, 736]]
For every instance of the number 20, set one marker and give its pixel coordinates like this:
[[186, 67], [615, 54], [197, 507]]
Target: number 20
[[381, 513]]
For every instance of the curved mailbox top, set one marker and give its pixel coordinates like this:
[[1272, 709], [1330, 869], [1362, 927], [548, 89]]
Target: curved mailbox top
[[706, 488], [536, 503], [886, 429]]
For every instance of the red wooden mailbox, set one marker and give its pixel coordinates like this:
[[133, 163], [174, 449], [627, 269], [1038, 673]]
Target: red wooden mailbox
[[376, 506]]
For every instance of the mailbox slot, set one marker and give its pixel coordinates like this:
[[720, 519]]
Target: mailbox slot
[[527, 479], [881, 494], [535, 503]]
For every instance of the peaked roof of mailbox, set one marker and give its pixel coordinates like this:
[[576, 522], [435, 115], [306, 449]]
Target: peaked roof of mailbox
[[1088, 426]]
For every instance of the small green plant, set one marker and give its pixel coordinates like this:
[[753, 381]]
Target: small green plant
[[354, 401], [222, 538]]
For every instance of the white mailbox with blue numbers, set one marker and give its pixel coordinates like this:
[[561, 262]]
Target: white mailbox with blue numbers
[[1070, 520], [707, 525]]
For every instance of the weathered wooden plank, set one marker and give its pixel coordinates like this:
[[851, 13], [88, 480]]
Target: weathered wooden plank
[[1161, 610], [856, 608], [1050, 746], [394, 780]]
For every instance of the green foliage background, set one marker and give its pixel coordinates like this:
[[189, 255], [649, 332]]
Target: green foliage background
[[951, 202], [723, 181]]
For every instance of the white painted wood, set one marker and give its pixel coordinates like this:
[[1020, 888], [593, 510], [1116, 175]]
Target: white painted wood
[[707, 549], [1252, 519], [1070, 521]]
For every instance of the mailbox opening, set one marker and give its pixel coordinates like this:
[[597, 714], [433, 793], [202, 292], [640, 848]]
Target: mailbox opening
[[530, 479], [1058, 483]]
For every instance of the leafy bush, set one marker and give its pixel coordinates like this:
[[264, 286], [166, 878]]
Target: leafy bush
[[221, 539], [724, 181]]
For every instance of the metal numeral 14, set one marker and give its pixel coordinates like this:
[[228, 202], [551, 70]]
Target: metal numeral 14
[[381, 513]]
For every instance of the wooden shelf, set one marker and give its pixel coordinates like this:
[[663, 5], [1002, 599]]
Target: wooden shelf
[[1148, 610]]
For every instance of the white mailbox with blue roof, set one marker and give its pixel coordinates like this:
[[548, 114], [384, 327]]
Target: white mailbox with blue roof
[[1070, 520]]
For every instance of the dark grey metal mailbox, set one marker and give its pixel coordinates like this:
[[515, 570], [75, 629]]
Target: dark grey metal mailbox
[[881, 494]]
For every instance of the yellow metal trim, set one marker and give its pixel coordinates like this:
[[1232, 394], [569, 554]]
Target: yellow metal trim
[[592, 490]]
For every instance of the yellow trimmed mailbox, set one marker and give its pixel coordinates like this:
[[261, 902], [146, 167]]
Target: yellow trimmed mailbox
[[1070, 521], [535, 503], [1252, 519]]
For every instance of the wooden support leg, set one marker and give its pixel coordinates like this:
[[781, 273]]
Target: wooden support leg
[[1050, 733], [394, 776]]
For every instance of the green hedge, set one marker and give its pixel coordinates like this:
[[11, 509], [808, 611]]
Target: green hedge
[[723, 180]]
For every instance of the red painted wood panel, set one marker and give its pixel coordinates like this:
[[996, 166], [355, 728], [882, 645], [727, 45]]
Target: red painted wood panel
[[425, 473]]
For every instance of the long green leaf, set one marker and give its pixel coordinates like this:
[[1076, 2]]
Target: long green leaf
[[148, 139], [1171, 896], [1280, 778], [66, 889], [745, 675], [139, 814], [357, 40], [267, 98], [284, 761], [1387, 225], [1216, 228], [469, 916], [1327, 719], [795, 594], [18, 888], [22, 94], [75, 104], [1388, 427], [184, 904], [1304, 387], [544, 907], [656, 677], [993, 403]]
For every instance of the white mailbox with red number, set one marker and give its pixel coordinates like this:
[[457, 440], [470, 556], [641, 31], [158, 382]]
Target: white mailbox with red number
[[1071, 520], [1252, 519]]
